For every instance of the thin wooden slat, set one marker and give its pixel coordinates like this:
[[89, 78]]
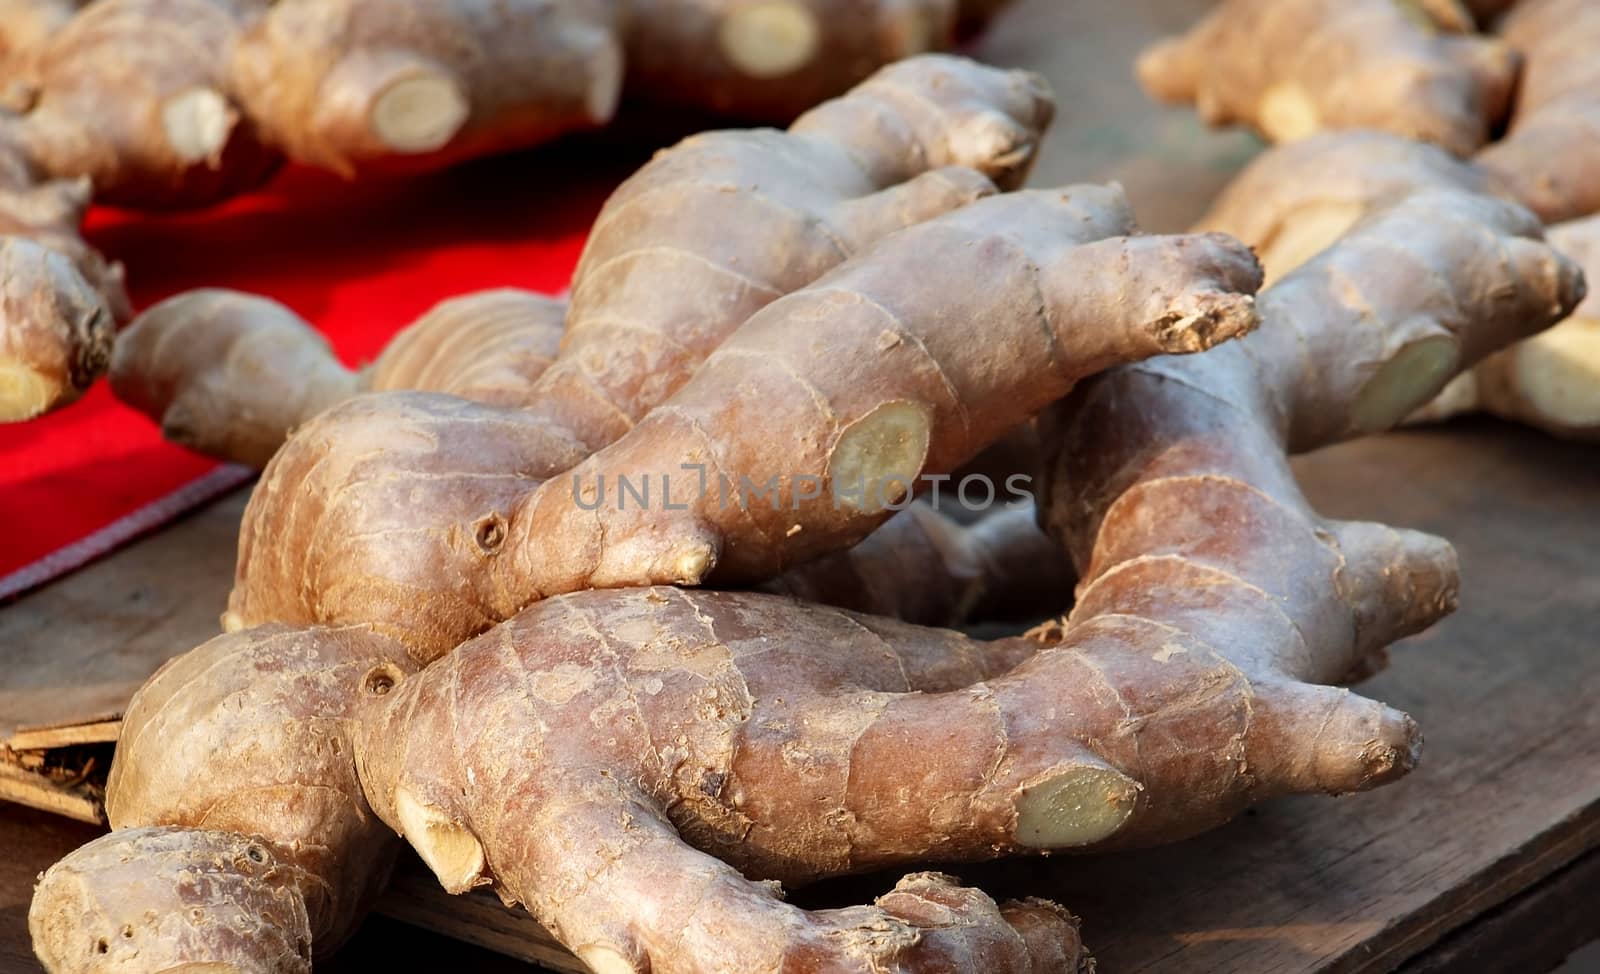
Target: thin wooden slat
[[48, 738]]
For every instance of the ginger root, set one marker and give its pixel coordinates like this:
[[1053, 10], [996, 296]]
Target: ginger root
[[1292, 68], [1552, 380], [59, 299], [1295, 200], [879, 384], [230, 374], [347, 84], [136, 95], [659, 727], [772, 59], [1550, 160]]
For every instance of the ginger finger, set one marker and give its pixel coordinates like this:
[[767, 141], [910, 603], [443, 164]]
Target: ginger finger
[[773, 59], [893, 399], [231, 375], [349, 84], [1292, 68], [242, 835], [1552, 380]]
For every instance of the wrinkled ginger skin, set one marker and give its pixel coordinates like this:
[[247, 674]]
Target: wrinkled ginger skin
[[720, 225], [707, 233], [347, 85], [249, 735], [135, 94], [1202, 563], [698, 692], [1295, 200], [159, 899], [499, 543], [660, 727], [870, 380], [1550, 160], [1291, 68], [230, 374]]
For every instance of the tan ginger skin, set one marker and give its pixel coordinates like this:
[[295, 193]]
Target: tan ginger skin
[[658, 722], [59, 299], [231, 374], [1550, 160], [1292, 68], [806, 369]]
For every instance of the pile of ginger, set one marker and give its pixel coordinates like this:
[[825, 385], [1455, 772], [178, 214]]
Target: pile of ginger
[[643, 721]]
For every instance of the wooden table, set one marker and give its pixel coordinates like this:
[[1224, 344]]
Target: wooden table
[[1485, 859]]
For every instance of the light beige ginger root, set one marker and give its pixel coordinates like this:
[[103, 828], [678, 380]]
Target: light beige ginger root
[[1293, 201], [247, 838], [231, 374], [866, 376], [25, 27], [296, 852], [1552, 380], [347, 84], [1550, 160], [59, 299], [136, 95], [1292, 68]]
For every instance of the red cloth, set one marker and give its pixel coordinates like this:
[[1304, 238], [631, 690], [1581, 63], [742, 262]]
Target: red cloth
[[360, 261]]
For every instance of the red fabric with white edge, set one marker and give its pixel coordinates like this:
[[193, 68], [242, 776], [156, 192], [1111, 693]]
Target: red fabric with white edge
[[360, 261]]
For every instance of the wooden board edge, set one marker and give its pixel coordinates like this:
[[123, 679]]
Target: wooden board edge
[[99, 731], [38, 791]]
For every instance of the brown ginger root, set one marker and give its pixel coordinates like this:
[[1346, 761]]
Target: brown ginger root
[[299, 855], [709, 232], [772, 59], [495, 540], [347, 84], [59, 299], [1552, 380], [1550, 160], [653, 722], [231, 374], [1292, 68], [893, 399], [135, 94]]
